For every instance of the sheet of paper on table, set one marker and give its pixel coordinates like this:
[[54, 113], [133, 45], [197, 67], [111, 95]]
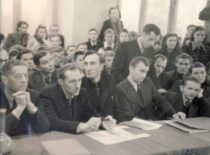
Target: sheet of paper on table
[[191, 125], [117, 135], [64, 147], [142, 124]]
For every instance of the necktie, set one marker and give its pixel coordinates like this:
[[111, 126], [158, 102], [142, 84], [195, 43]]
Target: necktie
[[187, 103]]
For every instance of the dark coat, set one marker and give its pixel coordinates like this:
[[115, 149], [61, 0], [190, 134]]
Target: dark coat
[[104, 102], [129, 104], [124, 54], [37, 121], [171, 78], [94, 48], [37, 82], [62, 116], [117, 27], [16, 39], [199, 54], [198, 107]]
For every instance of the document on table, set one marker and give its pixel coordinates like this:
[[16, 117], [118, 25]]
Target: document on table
[[192, 125], [117, 135], [142, 124]]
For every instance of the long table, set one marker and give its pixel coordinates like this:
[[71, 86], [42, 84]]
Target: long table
[[164, 141]]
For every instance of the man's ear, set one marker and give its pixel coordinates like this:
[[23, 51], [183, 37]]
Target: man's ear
[[4, 80], [181, 87]]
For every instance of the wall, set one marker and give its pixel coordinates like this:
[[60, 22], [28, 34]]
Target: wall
[[89, 14]]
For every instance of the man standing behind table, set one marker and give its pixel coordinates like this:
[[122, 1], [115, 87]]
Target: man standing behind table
[[142, 46]]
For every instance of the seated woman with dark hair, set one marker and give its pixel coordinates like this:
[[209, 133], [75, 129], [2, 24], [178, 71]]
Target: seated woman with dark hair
[[170, 48], [40, 38], [197, 48]]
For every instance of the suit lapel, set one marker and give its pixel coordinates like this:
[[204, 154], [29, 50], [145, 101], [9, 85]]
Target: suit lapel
[[133, 95]]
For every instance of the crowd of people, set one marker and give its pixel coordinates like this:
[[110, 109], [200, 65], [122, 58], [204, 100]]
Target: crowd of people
[[115, 76]]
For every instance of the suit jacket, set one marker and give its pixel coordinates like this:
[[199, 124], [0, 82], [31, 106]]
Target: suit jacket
[[109, 24], [15, 39], [62, 116], [124, 54], [129, 104], [37, 82], [96, 47], [171, 78], [104, 102], [38, 122], [198, 107]]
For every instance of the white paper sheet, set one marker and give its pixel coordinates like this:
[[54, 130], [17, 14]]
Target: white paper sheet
[[117, 135], [142, 124]]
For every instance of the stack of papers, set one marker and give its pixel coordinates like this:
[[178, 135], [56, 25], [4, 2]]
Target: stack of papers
[[142, 124], [116, 135], [192, 125], [64, 147]]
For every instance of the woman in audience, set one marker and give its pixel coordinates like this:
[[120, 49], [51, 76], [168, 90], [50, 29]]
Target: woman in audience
[[170, 48], [113, 22], [197, 48], [40, 38]]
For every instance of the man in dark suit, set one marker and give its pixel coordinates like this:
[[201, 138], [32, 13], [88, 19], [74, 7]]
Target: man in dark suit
[[20, 37], [24, 115], [45, 73], [183, 63], [99, 85], [128, 50], [93, 42], [67, 105], [136, 96], [190, 101]]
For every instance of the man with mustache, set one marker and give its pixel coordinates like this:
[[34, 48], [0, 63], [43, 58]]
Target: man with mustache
[[190, 100], [67, 105]]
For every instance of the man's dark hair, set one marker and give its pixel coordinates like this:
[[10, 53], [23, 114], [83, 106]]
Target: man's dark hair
[[37, 56], [20, 23], [78, 53], [139, 59], [184, 56], [197, 65], [26, 51], [101, 60], [61, 72], [10, 64], [190, 78], [15, 50], [163, 57], [151, 28]]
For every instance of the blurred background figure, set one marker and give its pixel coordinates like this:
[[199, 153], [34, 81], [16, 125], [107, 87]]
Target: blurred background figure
[[113, 22]]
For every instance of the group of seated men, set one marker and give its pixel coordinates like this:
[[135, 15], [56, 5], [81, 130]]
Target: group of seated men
[[81, 97]]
